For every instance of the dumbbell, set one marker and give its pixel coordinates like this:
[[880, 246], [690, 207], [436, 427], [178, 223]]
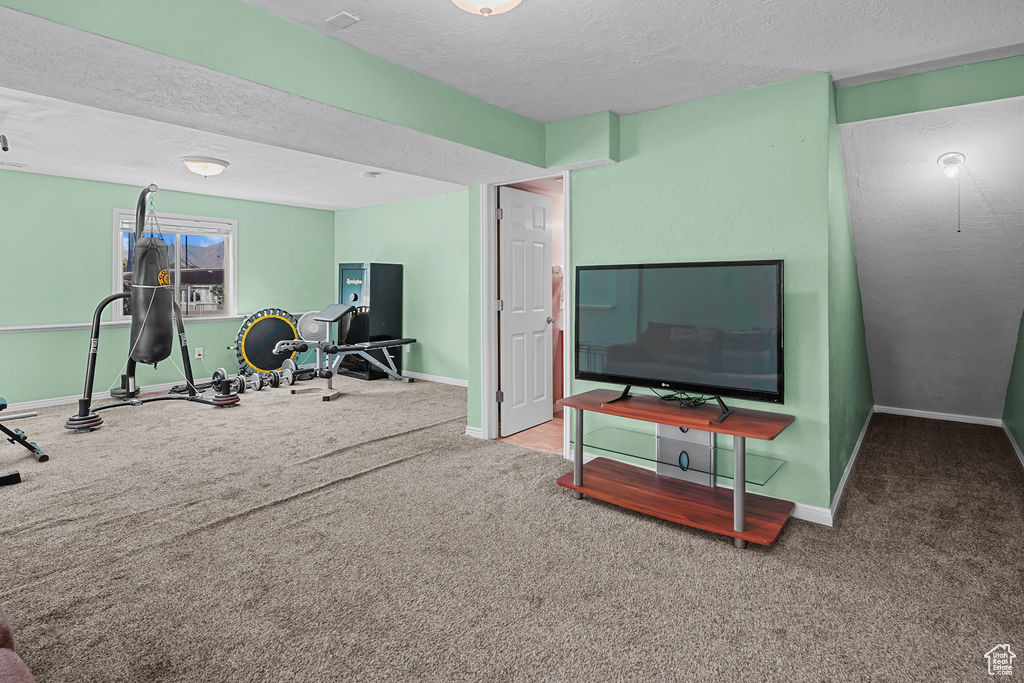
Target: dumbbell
[[225, 387], [243, 383]]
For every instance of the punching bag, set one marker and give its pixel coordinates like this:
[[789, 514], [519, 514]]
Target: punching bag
[[151, 301]]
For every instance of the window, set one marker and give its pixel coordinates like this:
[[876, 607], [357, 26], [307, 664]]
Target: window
[[201, 261]]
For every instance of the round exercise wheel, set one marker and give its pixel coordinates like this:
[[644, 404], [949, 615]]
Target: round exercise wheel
[[254, 345]]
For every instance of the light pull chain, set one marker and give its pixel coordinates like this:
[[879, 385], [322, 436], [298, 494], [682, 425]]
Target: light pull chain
[[958, 203]]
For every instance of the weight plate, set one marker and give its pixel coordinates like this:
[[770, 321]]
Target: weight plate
[[287, 377], [288, 364]]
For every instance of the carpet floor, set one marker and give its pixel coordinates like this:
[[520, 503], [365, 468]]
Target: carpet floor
[[289, 539]]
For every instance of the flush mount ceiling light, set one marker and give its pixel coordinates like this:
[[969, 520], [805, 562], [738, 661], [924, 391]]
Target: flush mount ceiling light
[[486, 8], [950, 163], [205, 166]]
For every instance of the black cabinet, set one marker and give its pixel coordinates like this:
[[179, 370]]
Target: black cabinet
[[375, 289]]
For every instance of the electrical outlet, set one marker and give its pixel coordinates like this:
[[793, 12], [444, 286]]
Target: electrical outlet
[[408, 348], [199, 352]]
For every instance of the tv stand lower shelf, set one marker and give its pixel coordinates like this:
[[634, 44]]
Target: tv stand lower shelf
[[683, 502], [743, 516]]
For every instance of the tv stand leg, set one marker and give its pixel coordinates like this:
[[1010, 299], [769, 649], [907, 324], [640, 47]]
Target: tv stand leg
[[739, 489], [577, 459]]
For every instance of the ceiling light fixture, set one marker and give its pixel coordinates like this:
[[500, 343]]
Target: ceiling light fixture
[[487, 8], [370, 174], [950, 163], [205, 166]]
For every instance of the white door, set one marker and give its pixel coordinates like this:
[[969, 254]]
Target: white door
[[524, 287]]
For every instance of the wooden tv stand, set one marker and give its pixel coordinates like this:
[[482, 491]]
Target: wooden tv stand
[[753, 518]]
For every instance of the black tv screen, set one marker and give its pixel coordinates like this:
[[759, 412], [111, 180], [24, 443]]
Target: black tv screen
[[709, 328]]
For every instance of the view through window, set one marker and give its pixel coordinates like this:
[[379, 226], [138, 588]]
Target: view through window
[[199, 258]]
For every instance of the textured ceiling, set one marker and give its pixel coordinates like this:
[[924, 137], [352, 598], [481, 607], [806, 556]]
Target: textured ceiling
[[555, 60], [54, 137], [45, 58], [941, 308]]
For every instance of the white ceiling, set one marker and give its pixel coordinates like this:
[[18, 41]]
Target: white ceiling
[[555, 60], [55, 137], [941, 308]]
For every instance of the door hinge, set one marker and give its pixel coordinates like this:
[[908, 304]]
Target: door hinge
[[498, 213], [499, 396], [499, 305]]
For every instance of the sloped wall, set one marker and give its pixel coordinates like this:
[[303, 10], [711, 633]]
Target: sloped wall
[[850, 396]]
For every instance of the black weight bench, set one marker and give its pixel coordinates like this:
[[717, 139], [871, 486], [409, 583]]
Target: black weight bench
[[333, 314], [18, 436]]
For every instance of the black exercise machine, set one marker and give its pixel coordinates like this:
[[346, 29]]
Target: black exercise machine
[[331, 355], [156, 320], [18, 436]]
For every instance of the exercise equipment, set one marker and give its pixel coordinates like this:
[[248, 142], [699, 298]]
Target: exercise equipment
[[332, 355], [254, 343], [375, 290], [221, 382], [155, 317], [16, 435]]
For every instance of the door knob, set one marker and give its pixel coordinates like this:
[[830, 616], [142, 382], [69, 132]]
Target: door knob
[[550, 320]]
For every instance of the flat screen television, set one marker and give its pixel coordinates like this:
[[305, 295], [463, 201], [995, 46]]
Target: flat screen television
[[707, 328]]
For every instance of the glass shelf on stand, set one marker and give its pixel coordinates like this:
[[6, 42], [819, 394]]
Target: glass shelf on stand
[[664, 454]]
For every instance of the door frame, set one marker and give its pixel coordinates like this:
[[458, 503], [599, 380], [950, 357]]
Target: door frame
[[489, 370]]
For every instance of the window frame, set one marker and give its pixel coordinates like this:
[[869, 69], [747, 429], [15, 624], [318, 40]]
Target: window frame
[[175, 223]]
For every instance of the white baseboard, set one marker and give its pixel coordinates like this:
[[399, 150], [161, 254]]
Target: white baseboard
[[1009, 435], [846, 473], [808, 513], [97, 396], [475, 432], [813, 513], [436, 378], [950, 417]]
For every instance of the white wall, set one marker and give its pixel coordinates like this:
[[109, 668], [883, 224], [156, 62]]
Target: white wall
[[940, 307]]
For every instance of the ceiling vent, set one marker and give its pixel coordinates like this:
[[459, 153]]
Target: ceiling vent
[[341, 20]]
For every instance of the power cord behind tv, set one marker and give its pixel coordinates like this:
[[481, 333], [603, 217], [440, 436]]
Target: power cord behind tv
[[683, 399]]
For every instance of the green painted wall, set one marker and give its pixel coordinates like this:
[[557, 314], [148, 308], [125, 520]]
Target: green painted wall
[[851, 401], [740, 176], [981, 82], [592, 138], [428, 237], [1013, 410], [68, 225]]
